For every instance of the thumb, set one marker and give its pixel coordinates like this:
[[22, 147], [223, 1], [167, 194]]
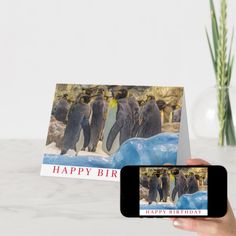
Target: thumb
[[195, 225]]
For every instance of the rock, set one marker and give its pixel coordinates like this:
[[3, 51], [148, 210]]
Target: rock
[[143, 193], [55, 132], [171, 127], [52, 149]]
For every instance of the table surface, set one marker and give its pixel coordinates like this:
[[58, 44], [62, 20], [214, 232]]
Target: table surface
[[46, 206]]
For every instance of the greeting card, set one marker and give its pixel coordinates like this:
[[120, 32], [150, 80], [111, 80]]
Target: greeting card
[[95, 130]]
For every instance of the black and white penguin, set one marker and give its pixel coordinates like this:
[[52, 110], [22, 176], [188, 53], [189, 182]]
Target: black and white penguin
[[98, 107], [192, 184], [78, 118], [134, 106], [165, 185], [180, 184], [123, 123], [150, 119], [154, 186]]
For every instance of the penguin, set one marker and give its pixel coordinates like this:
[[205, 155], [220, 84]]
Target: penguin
[[144, 181], [78, 118], [123, 123], [159, 187], [172, 183], [84, 138], [61, 109], [154, 185], [176, 115], [105, 112], [165, 185], [134, 106], [161, 104], [150, 119], [192, 184], [98, 107], [180, 184]]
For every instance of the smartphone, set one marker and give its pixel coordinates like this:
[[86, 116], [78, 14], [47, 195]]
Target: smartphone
[[173, 191]]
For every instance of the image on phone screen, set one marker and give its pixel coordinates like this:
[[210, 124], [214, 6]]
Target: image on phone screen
[[173, 191]]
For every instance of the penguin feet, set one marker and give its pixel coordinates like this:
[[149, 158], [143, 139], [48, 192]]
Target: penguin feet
[[92, 149], [63, 152]]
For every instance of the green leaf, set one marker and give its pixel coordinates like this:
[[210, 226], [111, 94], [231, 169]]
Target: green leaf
[[211, 51], [229, 65], [230, 68], [230, 133], [231, 44], [213, 16], [223, 65], [229, 125], [215, 29]]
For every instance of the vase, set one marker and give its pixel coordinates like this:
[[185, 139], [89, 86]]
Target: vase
[[214, 115]]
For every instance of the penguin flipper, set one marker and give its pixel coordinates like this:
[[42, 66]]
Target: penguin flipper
[[135, 129], [113, 133], [86, 131]]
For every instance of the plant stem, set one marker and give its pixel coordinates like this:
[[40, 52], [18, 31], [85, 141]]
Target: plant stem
[[223, 70], [221, 115]]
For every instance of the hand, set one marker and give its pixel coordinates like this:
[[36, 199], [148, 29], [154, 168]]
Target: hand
[[225, 226]]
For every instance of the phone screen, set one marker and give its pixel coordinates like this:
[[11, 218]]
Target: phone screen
[[173, 191]]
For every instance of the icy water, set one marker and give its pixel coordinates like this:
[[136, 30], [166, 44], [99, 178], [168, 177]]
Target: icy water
[[157, 150]]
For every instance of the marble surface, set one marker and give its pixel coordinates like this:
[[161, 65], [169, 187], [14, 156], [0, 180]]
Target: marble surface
[[45, 206]]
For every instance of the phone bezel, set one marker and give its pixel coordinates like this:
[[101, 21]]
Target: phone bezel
[[129, 191]]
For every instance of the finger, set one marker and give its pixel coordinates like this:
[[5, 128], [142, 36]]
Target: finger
[[168, 164], [197, 162], [229, 214], [199, 226]]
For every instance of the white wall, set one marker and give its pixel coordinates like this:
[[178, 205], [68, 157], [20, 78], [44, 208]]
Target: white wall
[[96, 41]]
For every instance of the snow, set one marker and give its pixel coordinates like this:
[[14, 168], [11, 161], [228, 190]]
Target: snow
[[53, 149], [144, 202]]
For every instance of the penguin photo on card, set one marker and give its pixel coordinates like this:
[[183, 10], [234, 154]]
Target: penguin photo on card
[[102, 128]]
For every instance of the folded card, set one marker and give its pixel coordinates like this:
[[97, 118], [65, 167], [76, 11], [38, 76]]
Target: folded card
[[95, 130]]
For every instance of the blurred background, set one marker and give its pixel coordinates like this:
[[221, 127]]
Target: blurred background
[[106, 42]]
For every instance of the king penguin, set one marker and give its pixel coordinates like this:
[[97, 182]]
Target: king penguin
[[134, 106], [123, 123], [78, 118], [98, 107], [150, 119]]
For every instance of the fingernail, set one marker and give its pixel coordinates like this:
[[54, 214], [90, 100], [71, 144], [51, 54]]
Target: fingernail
[[178, 223]]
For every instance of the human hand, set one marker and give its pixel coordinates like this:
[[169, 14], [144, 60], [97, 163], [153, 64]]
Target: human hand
[[225, 226]]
